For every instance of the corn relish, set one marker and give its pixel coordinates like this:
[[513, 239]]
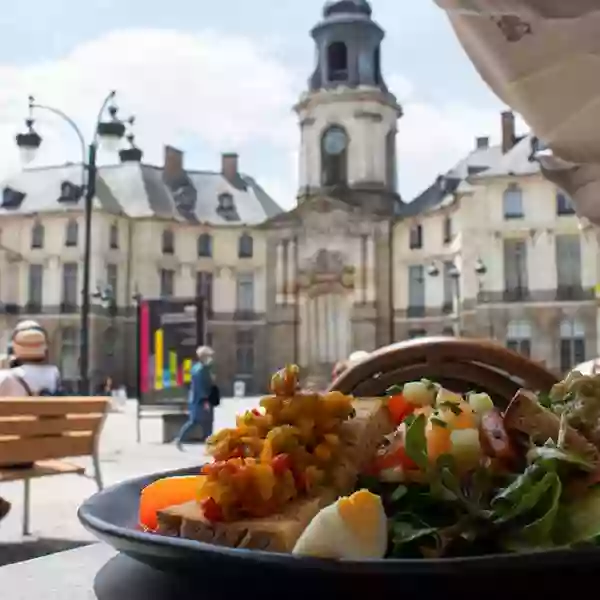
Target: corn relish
[[287, 448]]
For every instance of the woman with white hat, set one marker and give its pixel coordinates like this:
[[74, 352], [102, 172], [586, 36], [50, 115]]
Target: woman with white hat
[[29, 373]]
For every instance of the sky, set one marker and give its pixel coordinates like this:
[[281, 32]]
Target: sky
[[211, 77]]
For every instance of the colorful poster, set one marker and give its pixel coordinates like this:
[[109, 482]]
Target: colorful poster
[[169, 333]]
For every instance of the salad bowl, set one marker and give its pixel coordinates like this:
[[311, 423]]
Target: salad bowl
[[461, 365]]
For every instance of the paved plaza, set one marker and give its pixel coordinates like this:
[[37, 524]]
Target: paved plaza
[[54, 500]]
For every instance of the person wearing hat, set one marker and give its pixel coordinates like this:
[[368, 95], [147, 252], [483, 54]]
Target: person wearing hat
[[29, 373], [201, 398]]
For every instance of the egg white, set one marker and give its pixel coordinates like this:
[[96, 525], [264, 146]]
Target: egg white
[[328, 536]]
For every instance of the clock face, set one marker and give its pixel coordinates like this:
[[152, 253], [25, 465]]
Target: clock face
[[335, 141]]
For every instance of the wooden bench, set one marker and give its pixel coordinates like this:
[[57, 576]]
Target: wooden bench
[[36, 432]]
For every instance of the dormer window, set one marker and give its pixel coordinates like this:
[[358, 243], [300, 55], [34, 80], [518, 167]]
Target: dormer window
[[245, 246], [69, 192], [12, 198], [168, 242], [227, 208], [72, 234]]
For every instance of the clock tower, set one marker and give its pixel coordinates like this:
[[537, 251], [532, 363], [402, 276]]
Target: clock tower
[[347, 116]]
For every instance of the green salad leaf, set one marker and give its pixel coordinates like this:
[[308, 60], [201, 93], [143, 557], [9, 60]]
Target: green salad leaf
[[549, 454], [415, 442]]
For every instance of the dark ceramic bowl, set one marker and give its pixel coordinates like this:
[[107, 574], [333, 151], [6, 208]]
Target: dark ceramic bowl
[[112, 516]]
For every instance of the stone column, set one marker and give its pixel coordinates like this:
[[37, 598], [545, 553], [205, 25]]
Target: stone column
[[291, 272], [279, 275]]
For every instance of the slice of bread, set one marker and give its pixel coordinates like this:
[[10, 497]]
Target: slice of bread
[[277, 533], [360, 439]]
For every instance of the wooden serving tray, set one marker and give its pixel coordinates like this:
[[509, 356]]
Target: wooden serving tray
[[460, 364]]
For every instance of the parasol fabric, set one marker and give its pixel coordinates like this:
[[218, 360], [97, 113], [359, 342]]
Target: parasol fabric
[[542, 58]]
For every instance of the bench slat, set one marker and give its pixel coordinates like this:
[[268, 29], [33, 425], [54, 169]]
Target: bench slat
[[29, 427], [42, 468], [23, 450], [10, 407]]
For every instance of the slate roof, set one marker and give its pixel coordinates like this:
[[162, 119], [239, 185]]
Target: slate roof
[[138, 190], [480, 164]]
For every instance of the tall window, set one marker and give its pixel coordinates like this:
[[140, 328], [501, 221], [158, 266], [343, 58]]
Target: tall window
[[518, 337], [415, 241], [512, 202], [36, 288], [245, 246], [447, 230], [416, 291], [112, 281], [450, 284], [515, 270], [167, 283], [168, 242], [568, 266], [37, 235], [113, 236], [244, 353], [72, 233], [391, 175], [205, 244], [69, 354], [563, 204], [69, 285], [572, 344], [334, 156], [245, 292], [204, 288], [337, 61]]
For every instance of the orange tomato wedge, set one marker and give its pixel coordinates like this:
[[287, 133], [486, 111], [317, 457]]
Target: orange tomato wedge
[[163, 493]]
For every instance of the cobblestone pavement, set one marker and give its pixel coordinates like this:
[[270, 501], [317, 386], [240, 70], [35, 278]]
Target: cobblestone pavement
[[54, 500]]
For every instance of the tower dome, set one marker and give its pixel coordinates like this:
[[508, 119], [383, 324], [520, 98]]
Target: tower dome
[[348, 44]]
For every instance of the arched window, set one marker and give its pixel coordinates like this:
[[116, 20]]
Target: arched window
[[72, 233], [204, 245], [110, 339], [245, 246], [113, 236], [518, 337], [337, 61], [37, 235], [334, 156], [572, 344], [377, 65], [168, 242], [512, 202]]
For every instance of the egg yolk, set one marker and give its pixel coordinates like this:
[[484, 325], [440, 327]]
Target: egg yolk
[[361, 513]]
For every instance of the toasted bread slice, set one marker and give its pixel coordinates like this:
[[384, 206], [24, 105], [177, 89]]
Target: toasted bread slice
[[360, 438], [527, 415], [277, 533]]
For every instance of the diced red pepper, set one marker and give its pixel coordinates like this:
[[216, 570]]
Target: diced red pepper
[[400, 408], [396, 457], [256, 412], [281, 463], [211, 509]]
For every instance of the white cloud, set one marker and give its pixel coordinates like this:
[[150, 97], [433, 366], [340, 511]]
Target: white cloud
[[218, 92]]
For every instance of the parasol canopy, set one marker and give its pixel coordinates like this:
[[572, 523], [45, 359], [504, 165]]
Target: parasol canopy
[[542, 58]]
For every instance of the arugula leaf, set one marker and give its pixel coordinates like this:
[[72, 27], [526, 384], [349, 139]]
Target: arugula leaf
[[524, 494], [549, 455], [451, 406], [405, 533], [539, 533], [544, 399], [415, 442], [394, 389]]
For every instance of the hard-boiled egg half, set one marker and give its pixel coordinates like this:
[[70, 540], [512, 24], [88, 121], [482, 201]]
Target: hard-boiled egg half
[[354, 528]]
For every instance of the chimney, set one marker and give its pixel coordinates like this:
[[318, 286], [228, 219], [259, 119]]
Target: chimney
[[229, 166], [508, 130], [482, 143], [173, 164]]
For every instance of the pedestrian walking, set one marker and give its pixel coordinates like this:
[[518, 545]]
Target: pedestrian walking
[[201, 397]]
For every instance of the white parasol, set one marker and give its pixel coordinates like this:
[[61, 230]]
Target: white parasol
[[542, 57]]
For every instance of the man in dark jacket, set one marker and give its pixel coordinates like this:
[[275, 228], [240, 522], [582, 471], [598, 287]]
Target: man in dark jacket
[[200, 409]]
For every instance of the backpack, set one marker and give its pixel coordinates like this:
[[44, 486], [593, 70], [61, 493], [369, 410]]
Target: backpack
[[214, 396]]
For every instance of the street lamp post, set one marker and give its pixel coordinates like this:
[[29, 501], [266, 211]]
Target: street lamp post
[[454, 274], [111, 130]]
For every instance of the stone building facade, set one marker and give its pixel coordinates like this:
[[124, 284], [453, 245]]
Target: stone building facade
[[489, 249]]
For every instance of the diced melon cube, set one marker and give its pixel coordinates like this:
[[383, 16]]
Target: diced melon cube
[[445, 395], [481, 403], [465, 445], [420, 393]]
